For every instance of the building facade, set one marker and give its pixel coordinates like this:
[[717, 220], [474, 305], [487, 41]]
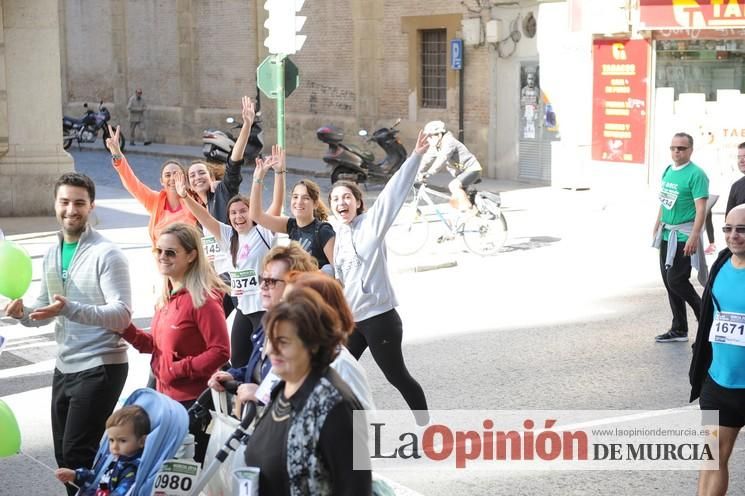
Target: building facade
[[365, 63]]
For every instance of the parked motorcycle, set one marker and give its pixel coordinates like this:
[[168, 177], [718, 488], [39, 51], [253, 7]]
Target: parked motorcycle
[[85, 129], [218, 145], [352, 163]]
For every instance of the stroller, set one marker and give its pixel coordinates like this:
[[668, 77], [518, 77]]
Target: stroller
[[168, 426]]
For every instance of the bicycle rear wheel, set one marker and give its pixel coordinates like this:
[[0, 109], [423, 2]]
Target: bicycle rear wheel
[[410, 230], [484, 234]]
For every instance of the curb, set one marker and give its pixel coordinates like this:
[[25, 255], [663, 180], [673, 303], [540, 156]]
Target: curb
[[426, 268]]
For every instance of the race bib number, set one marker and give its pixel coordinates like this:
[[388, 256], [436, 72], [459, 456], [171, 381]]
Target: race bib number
[[211, 248], [246, 481], [667, 199], [176, 478], [728, 328], [243, 282]]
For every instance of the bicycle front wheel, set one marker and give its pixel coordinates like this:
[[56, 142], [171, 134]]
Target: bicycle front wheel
[[409, 231], [484, 234]]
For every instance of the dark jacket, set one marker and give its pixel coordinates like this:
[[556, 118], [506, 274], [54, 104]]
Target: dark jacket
[[245, 373], [702, 354], [120, 475], [217, 202]]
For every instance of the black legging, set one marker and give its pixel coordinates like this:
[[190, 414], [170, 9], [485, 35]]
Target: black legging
[[709, 227], [240, 337], [383, 334], [708, 223]]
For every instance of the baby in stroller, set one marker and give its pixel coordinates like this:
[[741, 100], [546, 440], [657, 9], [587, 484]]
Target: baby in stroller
[[127, 429], [139, 437]]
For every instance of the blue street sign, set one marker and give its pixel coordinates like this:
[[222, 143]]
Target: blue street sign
[[456, 54]]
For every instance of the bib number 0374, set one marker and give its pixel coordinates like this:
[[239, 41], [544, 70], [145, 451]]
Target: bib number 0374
[[243, 282]]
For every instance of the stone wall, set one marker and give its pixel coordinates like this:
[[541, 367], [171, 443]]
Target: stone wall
[[359, 68], [31, 154]]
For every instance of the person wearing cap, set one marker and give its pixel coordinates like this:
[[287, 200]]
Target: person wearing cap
[[445, 150], [137, 107]]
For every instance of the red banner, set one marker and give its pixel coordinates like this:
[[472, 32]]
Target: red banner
[[619, 110], [691, 14]]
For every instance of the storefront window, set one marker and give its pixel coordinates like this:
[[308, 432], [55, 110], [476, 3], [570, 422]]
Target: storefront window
[[701, 66]]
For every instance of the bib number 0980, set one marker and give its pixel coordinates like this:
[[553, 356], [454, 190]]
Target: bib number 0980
[[173, 481]]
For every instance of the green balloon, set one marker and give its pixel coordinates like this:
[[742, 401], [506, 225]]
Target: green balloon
[[10, 434], [15, 270]]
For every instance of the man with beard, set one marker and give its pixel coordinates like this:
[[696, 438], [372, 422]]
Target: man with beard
[[85, 290]]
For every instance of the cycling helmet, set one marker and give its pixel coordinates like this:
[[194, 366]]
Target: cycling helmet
[[434, 127]]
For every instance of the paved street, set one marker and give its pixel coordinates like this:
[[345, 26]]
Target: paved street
[[564, 318]]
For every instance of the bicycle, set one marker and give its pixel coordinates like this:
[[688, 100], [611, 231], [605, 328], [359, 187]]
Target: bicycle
[[483, 228]]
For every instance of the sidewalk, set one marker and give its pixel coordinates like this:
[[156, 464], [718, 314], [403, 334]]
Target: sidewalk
[[297, 165]]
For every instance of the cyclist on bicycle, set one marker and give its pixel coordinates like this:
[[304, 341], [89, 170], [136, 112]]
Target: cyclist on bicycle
[[445, 150]]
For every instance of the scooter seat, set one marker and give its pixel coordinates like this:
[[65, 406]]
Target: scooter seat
[[366, 156]]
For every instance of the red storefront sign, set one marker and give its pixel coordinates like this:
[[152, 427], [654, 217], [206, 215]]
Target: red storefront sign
[[695, 14], [619, 110]]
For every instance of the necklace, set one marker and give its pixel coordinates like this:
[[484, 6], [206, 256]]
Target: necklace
[[281, 409]]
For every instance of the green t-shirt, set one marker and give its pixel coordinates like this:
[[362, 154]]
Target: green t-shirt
[[680, 190], [68, 250]]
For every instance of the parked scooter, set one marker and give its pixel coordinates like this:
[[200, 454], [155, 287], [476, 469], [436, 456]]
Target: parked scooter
[[217, 145], [85, 129], [352, 163]]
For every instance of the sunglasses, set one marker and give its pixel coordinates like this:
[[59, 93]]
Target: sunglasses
[[269, 282], [679, 148], [737, 229], [169, 253]]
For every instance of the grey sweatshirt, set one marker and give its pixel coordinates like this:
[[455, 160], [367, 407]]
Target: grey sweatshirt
[[99, 301], [359, 251]]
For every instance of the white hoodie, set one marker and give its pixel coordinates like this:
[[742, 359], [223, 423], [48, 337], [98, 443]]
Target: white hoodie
[[359, 250]]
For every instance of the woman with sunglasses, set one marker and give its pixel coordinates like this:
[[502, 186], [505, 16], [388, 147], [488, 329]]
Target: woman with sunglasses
[[274, 268], [360, 265], [246, 243], [308, 226], [188, 338], [163, 206]]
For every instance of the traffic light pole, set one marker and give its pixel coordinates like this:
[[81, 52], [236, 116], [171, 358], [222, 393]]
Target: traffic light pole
[[279, 68]]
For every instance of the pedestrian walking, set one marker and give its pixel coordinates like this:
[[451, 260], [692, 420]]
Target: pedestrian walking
[[137, 108], [308, 226], [188, 339], [737, 191], [360, 265], [164, 206], [272, 282], [304, 441], [245, 243], [717, 372], [215, 194], [85, 291], [677, 234]]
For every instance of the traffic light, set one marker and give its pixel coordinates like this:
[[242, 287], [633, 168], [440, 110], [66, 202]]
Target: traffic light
[[283, 26]]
